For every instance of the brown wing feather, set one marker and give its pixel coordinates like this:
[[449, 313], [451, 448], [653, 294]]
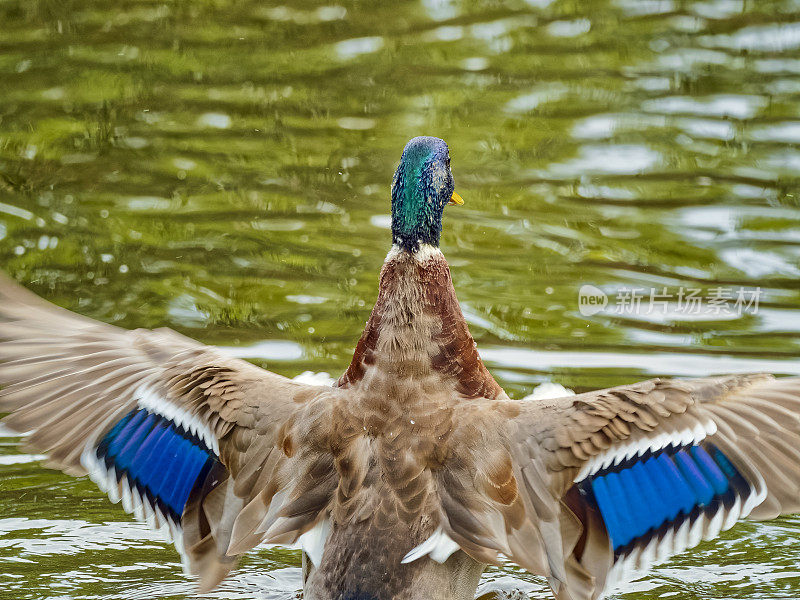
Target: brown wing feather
[[66, 379], [521, 499]]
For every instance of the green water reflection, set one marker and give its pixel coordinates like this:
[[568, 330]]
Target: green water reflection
[[222, 168]]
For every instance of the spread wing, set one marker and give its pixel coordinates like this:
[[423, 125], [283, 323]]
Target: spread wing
[[588, 489], [196, 443]]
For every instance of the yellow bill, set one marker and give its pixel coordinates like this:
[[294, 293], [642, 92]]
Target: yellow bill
[[456, 199]]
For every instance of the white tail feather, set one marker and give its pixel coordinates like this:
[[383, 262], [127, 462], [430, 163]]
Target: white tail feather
[[312, 542], [439, 547]]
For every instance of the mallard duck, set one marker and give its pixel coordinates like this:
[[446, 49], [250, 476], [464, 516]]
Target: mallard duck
[[415, 470]]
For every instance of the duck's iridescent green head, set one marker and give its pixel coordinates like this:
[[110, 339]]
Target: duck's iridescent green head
[[422, 187]]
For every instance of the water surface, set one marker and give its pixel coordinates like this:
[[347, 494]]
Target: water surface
[[222, 168]]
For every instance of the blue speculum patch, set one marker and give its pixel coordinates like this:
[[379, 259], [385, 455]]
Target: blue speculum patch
[[161, 459], [640, 496]]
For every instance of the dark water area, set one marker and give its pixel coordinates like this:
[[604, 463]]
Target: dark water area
[[223, 168]]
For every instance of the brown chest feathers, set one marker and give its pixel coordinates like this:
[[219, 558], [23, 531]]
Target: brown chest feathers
[[417, 331]]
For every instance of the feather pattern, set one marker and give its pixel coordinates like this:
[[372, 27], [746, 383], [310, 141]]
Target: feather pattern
[[619, 479], [183, 436]]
